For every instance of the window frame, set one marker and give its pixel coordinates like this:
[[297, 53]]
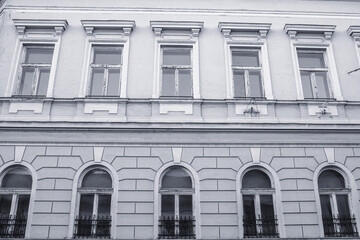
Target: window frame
[[106, 68], [16, 192], [38, 33], [246, 70], [257, 193], [177, 68], [181, 34], [317, 38], [36, 66], [96, 192]]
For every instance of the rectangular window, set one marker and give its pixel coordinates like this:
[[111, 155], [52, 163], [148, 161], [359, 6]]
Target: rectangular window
[[176, 72], [247, 76], [314, 73], [105, 71], [35, 70]]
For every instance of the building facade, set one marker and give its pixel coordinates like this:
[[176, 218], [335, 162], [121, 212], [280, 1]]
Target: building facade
[[180, 119]]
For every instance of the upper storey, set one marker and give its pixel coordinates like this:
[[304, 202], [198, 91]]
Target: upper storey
[[190, 61]]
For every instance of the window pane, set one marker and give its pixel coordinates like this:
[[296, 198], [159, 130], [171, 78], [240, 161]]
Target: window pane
[[185, 205], [27, 80], [311, 60], [104, 205], [267, 207], [245, 58], [249, 206], [176, 178], [343, 205], [23, 205], [306, 84], [176, 56], [17, 178], [97, 82], [97, 178], [43, 82], [331, 179], [5, 204], [326, 206], [322, 85], [108, 55], [167, 205], [239, 84], [255, 84], [113, 87], [168, 82], [86, 205], [185, 82], [39, 55], [256, 179]]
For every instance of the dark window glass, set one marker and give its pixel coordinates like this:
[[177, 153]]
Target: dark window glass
[[245, 58], [331, 179], [343, 205], [113, 87], [185, 205], [176, 57], [267, 207], [249, 206], [256, 179], [326, 206], [97, 178], [86, 205], [322, 85], [104, 205], [39, 55], [306, 84], [168, 205], [23, 205], [255, 84], [311, 60], [27, 80], [5, 204], [97, 82], [239, 84], [168, 82], [185, 82], [17, 178], [107, 55], [176, 178]]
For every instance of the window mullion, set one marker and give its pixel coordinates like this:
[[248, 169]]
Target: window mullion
[[35, 81], [334, 205], [14, 203], [176, 82], [106, 79], [313, 84], [247, 83]]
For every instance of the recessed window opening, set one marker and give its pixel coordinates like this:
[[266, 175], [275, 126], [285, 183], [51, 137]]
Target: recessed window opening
[[15, 193], [177, 208], [314, 73], [176, 72], [35, 70], [259, 219], [335, 206], [94, 219], [247, 73]]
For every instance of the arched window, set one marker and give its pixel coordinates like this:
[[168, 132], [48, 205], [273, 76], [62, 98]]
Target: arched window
[[259, 219], [335, 208], [15, 192], [176, 190], [94, 219]]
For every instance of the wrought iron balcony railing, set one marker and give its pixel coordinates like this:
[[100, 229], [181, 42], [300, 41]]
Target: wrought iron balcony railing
[[171, 227], [12, 226], [260, 227], [340, 226], [87, 226]]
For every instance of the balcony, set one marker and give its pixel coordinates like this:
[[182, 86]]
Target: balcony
[[182, 228], [87, 226], [12, 226], [340, 226], [260, 227]]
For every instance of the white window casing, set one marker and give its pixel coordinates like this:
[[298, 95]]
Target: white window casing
[[106, 33], [314, 38], [176, 34], [38, 34], [354, 32], [247, 37]]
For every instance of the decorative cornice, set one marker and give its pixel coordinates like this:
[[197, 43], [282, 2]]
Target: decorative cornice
[[23, 25], [293, 29], [227, 28], [159, 26], [108, 25], [354, 31]]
